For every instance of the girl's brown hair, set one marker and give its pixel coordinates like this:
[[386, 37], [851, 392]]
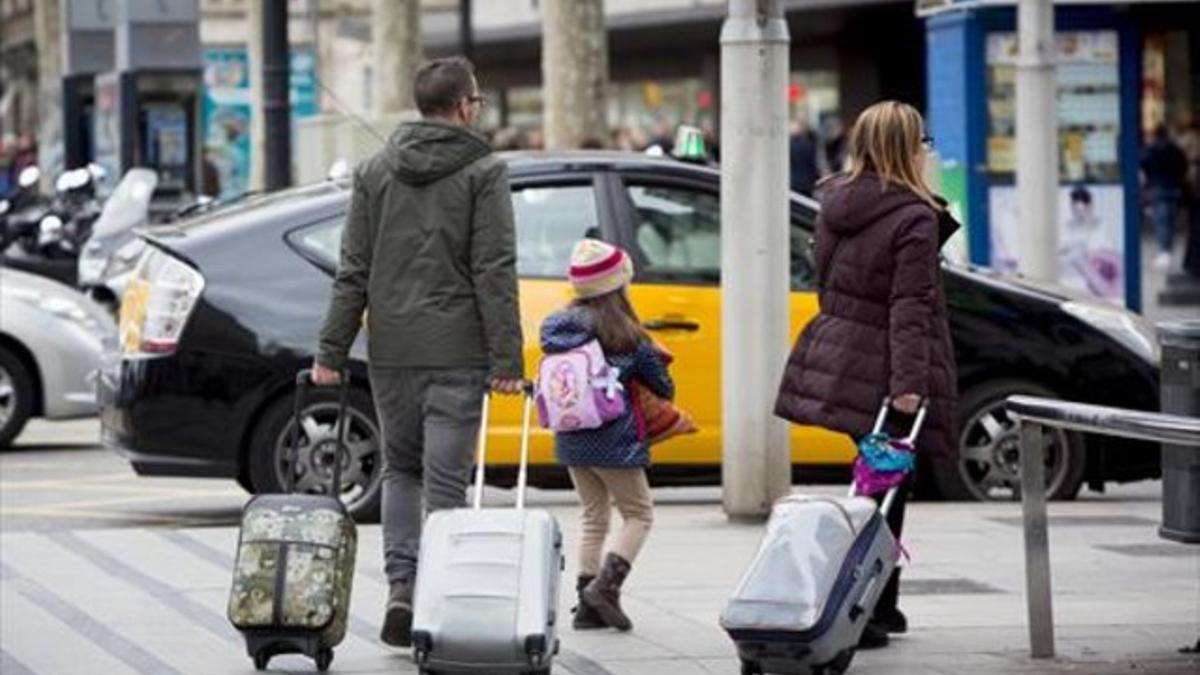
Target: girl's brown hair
[[617, 325], [887, 140]]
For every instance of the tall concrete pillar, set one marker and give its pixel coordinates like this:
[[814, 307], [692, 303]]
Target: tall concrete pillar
[[755, 458], [1037, 141], [258, 124]]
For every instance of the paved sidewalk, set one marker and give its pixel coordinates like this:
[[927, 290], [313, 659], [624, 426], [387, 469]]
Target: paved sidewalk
[[151, 600]]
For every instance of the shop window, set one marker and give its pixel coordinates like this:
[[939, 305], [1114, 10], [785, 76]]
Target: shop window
[[1089, 106]]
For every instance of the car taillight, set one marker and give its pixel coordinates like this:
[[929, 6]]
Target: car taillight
[[157, 303]]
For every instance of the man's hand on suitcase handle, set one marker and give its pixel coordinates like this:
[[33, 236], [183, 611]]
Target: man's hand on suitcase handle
[[325, 377], [908, 404], [509, 386]]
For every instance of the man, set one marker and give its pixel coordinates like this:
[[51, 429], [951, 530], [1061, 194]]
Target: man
[[1164, 168], [429, 252]]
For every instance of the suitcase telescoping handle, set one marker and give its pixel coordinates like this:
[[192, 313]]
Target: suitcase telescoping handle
[[910, 439], [481, 447], [304, 381]]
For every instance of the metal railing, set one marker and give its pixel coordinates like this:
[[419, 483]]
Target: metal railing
[[1035, 415]]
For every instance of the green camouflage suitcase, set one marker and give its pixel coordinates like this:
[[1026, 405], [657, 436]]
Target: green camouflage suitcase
[[295, 563]]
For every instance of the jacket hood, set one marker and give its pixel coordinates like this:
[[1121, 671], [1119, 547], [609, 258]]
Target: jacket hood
[[422, 152], [848, 206], [566, 330]]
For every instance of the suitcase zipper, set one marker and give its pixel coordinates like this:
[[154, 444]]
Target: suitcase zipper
[[280, 583]]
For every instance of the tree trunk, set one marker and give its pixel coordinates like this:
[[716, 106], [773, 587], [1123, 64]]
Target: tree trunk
[[396, 40], [574, 73], [47, 20]]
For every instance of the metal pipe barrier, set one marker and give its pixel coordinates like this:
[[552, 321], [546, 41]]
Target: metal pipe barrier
[[1036, 414]]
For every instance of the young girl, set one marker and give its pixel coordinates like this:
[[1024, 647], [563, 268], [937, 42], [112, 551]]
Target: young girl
[[607, 464]]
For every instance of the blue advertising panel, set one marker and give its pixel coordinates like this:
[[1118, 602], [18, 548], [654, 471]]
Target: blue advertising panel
[[228, 110]]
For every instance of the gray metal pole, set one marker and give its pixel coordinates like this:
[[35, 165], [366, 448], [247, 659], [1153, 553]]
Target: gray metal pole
[[466, 30], [277, 109], [756, 464], [1037, 541], [1037, 141]]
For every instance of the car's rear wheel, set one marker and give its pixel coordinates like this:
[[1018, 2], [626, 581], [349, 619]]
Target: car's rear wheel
[[989, 461], [16, 396], [269, 457]]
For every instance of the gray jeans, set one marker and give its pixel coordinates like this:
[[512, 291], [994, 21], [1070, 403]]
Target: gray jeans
[[430, 421]]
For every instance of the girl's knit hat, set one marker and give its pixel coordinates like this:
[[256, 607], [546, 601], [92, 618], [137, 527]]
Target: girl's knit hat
[[598, 268]]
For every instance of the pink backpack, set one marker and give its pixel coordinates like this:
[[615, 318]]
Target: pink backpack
[[578, 389]]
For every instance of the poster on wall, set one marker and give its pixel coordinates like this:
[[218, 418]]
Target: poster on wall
[[227, 118], [106, 130], [228, 110], [1091, 235]]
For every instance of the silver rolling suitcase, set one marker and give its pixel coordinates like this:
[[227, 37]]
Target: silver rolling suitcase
[[486, 598], [803, 604]]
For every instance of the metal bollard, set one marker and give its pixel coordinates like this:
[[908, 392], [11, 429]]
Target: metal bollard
[[1038, 596], [1180, 342]]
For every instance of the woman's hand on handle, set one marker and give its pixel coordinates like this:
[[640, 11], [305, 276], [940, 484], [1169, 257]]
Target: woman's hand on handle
[[907, 403]]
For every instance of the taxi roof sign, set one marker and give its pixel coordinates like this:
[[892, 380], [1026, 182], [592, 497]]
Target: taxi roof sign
[[689, 144]]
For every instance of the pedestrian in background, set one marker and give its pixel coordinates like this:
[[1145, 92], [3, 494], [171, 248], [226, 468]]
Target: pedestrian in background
[[1164, 169], [1190, 142], [882, 329], [834, 144], [802, 148], [607, 464], [428, 250]]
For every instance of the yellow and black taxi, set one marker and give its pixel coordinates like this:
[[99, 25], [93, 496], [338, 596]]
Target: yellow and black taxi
[[225, 308]]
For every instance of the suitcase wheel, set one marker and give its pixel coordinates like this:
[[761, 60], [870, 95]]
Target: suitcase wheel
[[324, 658], [261, 659], [839, 664]]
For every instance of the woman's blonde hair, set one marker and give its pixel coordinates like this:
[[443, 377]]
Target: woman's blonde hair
[[886, 140]]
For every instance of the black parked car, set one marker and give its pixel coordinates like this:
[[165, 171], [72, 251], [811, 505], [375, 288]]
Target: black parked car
[[225, 308]]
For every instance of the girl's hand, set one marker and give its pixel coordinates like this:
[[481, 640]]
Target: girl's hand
[[907, 403]]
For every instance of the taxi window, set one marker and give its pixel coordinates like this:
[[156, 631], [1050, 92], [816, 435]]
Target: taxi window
[[549, 220], [678, 235], [678, 231]]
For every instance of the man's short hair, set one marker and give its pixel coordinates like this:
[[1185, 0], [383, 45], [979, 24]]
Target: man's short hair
[[442, 83]]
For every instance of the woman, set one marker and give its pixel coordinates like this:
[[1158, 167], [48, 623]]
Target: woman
[[882, 329]]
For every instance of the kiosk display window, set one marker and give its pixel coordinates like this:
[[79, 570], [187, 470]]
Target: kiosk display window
[[1091, 220]]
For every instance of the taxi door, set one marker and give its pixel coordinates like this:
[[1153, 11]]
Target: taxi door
[[671, 225]]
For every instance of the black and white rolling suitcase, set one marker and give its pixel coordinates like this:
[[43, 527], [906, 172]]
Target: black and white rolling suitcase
[[802, 606], [486, 598]]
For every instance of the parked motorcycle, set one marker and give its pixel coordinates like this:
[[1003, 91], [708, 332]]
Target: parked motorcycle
[[111, 253], [23, 209], [46, 235]]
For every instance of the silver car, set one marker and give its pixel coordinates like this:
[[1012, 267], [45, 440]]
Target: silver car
[[52, 340]]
